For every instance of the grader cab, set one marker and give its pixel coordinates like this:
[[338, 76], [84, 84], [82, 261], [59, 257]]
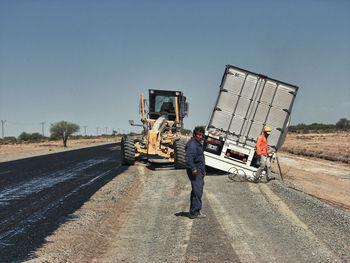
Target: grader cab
[[162, 124]]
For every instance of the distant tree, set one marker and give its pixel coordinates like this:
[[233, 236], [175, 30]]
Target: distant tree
[[63, 130], [24, 136], [343, 124], [36, 137], [185, 131]]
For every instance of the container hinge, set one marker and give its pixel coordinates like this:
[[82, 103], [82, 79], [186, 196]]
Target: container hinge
[[262, 76], [251, 139], [232, 133], [218, 109]]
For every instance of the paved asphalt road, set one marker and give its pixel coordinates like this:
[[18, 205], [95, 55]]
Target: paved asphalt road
[[38, 194]]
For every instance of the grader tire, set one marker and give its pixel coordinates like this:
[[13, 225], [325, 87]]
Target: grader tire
[[180, 154], [128, 151]]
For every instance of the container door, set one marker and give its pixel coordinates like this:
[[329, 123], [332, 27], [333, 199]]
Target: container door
[[234, 102]]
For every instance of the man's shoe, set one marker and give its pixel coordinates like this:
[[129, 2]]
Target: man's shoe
[[201, 216], [194, 216], [271, 178]]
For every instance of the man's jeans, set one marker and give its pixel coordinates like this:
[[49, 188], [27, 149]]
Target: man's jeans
[[197, 183], [264, 164]]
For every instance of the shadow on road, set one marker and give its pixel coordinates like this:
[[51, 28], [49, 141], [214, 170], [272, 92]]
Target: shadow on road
[[151, 165], [184, 214]]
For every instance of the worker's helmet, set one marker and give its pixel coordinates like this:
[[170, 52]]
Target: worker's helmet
[[267, 129]]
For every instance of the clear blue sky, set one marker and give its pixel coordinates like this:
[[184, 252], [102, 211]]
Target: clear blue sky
[[87, 62]]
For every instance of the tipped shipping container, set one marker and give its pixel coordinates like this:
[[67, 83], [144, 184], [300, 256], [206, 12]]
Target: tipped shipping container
[[247, 102]]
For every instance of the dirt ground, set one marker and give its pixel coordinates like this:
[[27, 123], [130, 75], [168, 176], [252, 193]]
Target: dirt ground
[[329, 146], [305, 161], [140, 216], [17, 151], [326, 180]]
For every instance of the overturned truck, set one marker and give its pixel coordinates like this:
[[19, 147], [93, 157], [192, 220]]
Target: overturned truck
[[247, 102]]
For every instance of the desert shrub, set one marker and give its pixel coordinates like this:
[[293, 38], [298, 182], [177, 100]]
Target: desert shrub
[[9, 140], [37, 137], [76, 137], [33, 137], [186, 132], [54, 137], [342, 124], [24, 137]]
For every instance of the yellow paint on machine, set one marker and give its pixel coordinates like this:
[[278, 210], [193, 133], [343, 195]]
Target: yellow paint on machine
[[152, 146]]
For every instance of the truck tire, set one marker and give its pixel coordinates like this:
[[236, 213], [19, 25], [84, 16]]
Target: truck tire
[[128, 150], [180, 154]]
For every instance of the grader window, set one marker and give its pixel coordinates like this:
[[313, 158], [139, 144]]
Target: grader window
[[164, 104]]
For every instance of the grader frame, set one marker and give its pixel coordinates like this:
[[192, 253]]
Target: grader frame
[[162, 129]]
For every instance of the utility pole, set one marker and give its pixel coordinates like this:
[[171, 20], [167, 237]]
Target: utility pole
[[2, 128], [85, 129], [42, 127], [97, 130], [106, 130]]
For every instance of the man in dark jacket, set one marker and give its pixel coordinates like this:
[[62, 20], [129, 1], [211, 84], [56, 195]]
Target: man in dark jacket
[[195, 167]]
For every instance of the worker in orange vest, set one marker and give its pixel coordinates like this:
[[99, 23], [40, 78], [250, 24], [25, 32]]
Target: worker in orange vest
[[262, 150]]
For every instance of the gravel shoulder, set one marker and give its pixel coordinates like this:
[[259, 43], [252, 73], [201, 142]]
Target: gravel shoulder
[[262, 226], [326, 180], [141, 216]]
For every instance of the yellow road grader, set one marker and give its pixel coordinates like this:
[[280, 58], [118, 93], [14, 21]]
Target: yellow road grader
[[162, 125]]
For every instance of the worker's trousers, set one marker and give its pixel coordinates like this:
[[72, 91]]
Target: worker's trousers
[[264, 164], [197, 184]]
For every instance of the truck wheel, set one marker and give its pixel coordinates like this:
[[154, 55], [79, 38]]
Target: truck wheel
[[179, 154], [128, 151]]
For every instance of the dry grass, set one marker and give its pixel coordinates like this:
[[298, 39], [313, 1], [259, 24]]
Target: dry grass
[[328, 146], [14, 151]]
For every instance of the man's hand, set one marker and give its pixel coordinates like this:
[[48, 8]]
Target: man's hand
[[205, 173], [194, 172]]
